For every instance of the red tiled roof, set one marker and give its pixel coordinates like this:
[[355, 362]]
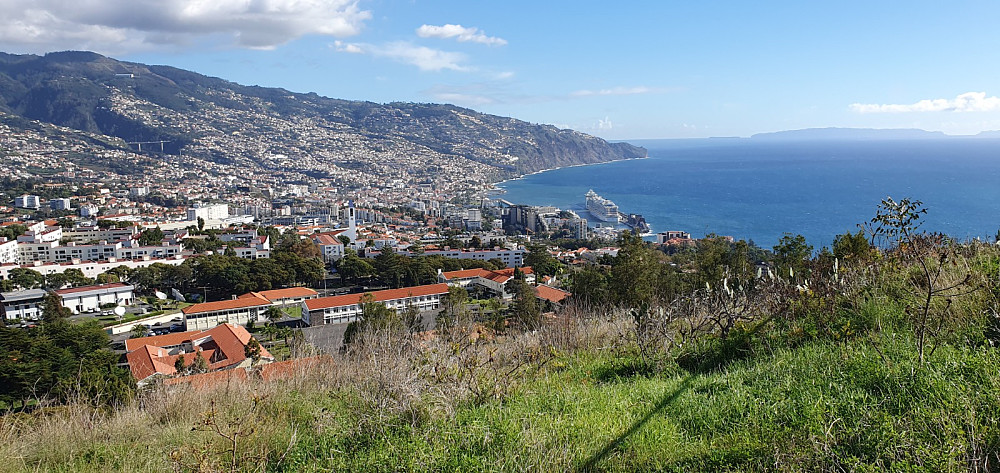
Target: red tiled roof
[[91, 288], [380, 296], [499, 275], [466, 273], [165, 340], [550, 293], [226, 345], [275, 294], [322, 239], [252, 301]]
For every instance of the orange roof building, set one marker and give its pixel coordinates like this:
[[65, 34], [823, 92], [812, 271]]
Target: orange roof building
[[491, 280], [236, 311], [551, 294], [243, 309], [222, 347], [347, 308]]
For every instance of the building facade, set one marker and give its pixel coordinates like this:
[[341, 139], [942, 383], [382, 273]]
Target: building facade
[[23, 305], [90, 298], [347, 308], [27, 201], [208, 211], [511, 258], [240, 311]]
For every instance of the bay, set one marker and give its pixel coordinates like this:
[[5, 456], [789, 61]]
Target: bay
[[759, 190]]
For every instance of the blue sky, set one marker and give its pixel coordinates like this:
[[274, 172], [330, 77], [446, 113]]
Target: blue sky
[[620, 70]]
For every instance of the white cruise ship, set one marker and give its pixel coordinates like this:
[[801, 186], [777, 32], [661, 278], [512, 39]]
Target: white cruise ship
[[601, 208]]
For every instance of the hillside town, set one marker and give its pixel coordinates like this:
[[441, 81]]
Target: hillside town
[[107, 248]]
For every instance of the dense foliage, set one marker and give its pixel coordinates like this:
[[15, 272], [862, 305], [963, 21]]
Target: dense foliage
[[60, 361]]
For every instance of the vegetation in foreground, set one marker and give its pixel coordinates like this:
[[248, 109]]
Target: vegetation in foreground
[[868, 360]]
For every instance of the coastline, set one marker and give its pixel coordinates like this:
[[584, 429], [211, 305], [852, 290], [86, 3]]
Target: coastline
[[495, 186]]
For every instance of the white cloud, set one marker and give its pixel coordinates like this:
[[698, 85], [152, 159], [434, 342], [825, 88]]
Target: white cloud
[[348, 47], [615, 91], [460, 33], [604, 124], [427, 59], [130, 25], [967, 102]]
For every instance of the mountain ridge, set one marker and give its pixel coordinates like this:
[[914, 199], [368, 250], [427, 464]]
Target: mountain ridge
[[220, 121]]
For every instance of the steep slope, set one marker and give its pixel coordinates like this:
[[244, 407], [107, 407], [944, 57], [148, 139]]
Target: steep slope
[[350, 142]]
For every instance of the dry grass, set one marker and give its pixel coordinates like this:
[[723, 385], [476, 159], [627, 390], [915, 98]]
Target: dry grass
[[387, 378], [390, 382]]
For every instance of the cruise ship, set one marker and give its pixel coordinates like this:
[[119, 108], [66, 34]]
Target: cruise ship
[[601, 208]]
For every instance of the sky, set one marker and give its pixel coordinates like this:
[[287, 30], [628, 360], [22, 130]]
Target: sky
[[618, 70]]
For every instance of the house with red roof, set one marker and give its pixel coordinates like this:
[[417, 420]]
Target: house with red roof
[[552, 295], [222, 347], [347, 308], [329, 244]]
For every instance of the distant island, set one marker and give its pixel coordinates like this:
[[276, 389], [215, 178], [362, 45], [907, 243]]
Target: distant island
[[825, 134]]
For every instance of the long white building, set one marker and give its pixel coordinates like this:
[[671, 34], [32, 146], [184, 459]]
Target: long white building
[[208, 211], [53, 252], [90, 269], [347, 308], [90, 298], [511, 258]]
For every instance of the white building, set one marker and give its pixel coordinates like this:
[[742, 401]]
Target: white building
[[8, 251], [345, 309], [23, 305], [87, 234], [90, 298], [259, 248], [511, 258], [90, 269], [60, 204], [329, 245], [87, 211], [52, 252], [663, 237], [138, 191], [474, 219], [493, 281], [208, 211], [240, 311], [27, 201], [42, 234]]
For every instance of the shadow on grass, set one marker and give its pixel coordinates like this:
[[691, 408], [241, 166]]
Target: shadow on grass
[[610, 448]]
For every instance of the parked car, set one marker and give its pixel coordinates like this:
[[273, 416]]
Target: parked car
[[176, 328]]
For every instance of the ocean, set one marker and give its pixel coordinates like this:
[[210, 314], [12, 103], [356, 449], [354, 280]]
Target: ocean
[[759, 190]]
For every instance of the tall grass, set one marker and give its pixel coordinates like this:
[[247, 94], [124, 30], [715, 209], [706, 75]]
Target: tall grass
[[829, 378]]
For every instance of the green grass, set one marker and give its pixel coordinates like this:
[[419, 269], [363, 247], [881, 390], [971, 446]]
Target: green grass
[[863, 405], [821, 406]]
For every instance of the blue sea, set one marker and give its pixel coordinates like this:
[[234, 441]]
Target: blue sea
[[759, 190]]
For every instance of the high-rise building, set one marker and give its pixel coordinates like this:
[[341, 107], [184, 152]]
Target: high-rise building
[[60, 204], [27, 201]]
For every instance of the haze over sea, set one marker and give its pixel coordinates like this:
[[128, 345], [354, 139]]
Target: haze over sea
[[759, 189]]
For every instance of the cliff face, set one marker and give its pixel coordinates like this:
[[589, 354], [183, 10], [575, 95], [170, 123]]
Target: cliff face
[[224, 122]]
